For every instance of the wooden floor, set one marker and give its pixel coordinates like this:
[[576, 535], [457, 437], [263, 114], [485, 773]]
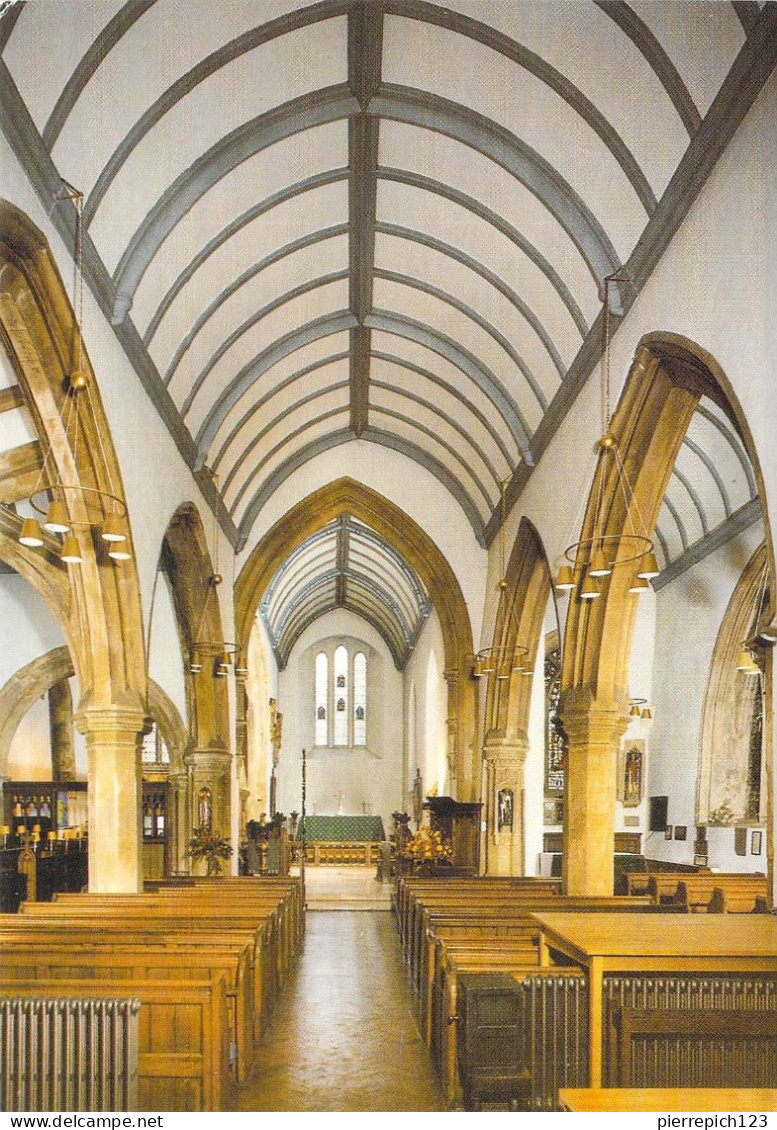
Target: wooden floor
[[344, 1035]]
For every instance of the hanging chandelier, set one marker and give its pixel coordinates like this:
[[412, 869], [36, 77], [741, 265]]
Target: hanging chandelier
[[222, 656], [590, 560], [57, 501], [501, 660]]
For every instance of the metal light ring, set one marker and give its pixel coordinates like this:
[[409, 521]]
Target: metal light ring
[[493, 652], [119, 505], [208, 647], [640, 544]]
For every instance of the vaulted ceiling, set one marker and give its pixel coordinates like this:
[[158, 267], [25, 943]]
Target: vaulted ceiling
[[312, 223]]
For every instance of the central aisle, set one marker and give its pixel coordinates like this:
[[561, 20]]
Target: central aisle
[[344, 1035]]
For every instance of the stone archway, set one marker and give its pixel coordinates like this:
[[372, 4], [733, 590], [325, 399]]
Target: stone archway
[[725, 793], [186, 560], [520, 620], [416, 547], [23, 688], [665, 383], [97, 604]]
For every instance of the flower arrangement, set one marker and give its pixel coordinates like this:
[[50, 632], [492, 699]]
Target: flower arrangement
[[427, 846], [210, 846]]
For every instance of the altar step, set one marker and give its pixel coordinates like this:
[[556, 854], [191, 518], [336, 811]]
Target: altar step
[[345, 888]]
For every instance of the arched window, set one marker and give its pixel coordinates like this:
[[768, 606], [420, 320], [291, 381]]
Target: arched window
[[321, 736], [341, 696], [154, 750], [340, 699], [360, 699]]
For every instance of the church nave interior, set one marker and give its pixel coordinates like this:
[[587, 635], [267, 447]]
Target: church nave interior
[[387, 488]]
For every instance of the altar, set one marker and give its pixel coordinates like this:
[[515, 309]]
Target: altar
[[338, 840]]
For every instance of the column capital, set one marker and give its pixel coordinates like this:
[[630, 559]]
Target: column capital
[[503, 750], [110, 721]]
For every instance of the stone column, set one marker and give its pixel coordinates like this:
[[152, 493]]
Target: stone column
[[211, 769], [591, 789], [505, 758], [178, 822], [113, 737]]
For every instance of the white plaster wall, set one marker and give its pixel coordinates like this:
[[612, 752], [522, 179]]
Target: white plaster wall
[[29, 628], [430, 736], [370, 779], [689, 612], [155, 477], [166, 662], [261, 686]]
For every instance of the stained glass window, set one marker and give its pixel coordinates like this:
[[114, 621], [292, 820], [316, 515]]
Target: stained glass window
[[360, 699], [322, 694], [341, 681]]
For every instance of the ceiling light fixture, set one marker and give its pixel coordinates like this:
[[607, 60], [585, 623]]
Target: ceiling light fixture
[[501, 660], [55, 501], [222, 655], [589, 561]]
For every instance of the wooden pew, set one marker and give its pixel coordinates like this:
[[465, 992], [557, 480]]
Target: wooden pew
[[30, 956], [515, 921], [183, 1062], [737, 892], [196, 903], [494, 894], [283, 932], [411, 889], [121, 922]]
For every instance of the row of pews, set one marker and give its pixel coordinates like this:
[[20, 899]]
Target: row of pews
[[711, 892], [204, 960], [479, 937]]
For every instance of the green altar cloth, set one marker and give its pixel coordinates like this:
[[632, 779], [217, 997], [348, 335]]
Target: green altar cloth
[[342, 829]]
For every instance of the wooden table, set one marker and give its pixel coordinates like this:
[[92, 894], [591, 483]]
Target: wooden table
[[648, 1099], [655, 943]]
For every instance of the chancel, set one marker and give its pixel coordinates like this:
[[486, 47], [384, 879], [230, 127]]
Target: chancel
[[388, 487]]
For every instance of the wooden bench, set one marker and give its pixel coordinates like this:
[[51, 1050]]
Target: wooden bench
[[183, 1040], [736, 892], [515, 923], [195, 904], [32, 957], [118, 923]]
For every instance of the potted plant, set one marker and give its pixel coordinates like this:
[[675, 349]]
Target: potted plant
[[210, 846]]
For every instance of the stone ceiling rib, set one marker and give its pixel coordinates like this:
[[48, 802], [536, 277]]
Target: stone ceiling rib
[[472, 247]]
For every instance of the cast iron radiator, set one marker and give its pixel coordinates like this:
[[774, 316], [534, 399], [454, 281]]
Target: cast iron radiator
[[556, 1034], [68, 1055], [690, 1031]]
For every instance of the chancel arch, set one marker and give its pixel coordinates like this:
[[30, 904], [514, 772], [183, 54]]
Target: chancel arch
[[413, 544], [96, 602], [667, 379]]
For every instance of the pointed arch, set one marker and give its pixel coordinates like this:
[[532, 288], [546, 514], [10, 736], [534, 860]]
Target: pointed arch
[[97, 604], [413, 543], [186, 560], [728, 709], [666, 380]]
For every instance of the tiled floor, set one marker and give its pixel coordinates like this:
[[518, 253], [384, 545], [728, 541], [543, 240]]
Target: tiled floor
[[344, 1035]]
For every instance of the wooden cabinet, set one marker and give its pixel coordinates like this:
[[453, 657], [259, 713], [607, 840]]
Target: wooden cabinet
[[459, 822], [52, 806]]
